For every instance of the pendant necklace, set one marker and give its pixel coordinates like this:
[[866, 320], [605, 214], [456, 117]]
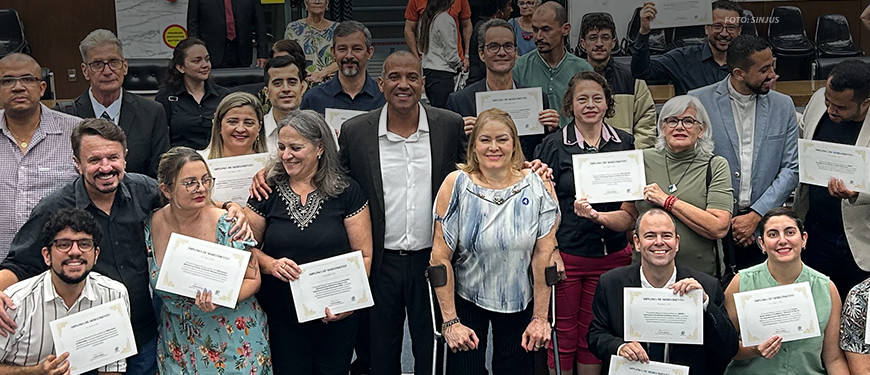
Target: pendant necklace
[[672, 187]]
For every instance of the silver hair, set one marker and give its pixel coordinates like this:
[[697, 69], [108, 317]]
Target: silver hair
[[493, 22], [349, 27], [675, 107], [329, 177], [96, 38]]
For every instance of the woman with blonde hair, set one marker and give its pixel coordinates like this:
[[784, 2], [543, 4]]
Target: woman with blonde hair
[[237, 128]]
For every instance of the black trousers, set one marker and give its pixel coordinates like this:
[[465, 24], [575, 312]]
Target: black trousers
[[231, 57], [439, 85], [829, 253], [314, 347], [744, 257], [400, 286], [508, 356]]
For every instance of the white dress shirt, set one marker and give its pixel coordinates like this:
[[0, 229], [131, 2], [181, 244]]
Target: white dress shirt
[[406, 172], [270, 126], [113, 110], [743, 108]]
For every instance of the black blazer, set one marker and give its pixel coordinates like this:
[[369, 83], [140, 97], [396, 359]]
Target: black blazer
[[206, 21], [605, 332], [360, 156], [144, 124]]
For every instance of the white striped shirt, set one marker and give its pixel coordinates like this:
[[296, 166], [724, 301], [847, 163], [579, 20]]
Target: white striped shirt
[[38, 304]]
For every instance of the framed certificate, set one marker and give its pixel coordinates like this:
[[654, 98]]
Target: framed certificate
[[336, 117], [786, 311], [95, 337], [233, 176], [676, 13], [659, 315], [622, 366], [609, 176], [818, 162], [190, 265], [339, 282], [524, 106]]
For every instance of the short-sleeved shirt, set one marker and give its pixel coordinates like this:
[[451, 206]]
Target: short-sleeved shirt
[[854, 319], [532, 71], [492, 234], [190, 122], [38, 304], [460, 10], [688, 171], [302, 233]]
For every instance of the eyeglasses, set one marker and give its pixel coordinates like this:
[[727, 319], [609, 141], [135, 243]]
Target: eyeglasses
[[7, 82], [316, 1], [114, 64], [595, 37], [717, 27], [526, 3], [192, 186], [687, 122], [494, 47], [65, 244]]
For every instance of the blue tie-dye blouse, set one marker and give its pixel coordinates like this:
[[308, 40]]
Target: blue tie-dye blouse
[[493, 234]]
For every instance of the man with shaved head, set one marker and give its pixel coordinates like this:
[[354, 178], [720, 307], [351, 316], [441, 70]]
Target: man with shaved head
[[401, 151], [35, 153]]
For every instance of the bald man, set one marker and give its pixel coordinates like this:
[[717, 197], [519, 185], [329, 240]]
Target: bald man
[[35, 153]]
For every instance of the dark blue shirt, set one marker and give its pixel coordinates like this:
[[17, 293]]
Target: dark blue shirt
[[688, 67], [331, 95], [123, 255]]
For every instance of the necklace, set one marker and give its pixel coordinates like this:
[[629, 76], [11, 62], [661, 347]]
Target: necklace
[[672, 187], [22, 144]]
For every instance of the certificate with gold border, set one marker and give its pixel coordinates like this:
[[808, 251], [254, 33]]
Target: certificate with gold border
[[339, 282], [524, 106], [233, 176], [786, 311], [622, 366], [659, 315], [609, 176], [678, 13], [95, 337], [336, 117], [191, 265], [818, 162]]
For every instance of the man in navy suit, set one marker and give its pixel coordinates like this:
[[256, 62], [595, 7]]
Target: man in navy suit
[[756, 129], [227, 32]]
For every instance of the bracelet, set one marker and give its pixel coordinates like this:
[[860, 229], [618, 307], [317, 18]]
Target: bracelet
[[448, 324], [544, 318], [226, 205], [669, 202]]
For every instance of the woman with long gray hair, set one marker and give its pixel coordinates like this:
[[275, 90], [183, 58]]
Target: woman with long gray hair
[[685, 179], [315, 213]]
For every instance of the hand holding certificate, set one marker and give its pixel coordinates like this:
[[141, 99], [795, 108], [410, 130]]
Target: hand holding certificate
[[191, 265], [335, 117], [609, 176], [819, 162], [677, 13], [659, 315], [786, 311], [622, 366], [95, 337], [233, 175], [524, 106], [339, 283]]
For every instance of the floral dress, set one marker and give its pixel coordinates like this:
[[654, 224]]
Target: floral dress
[[224, 341], [315, 43]]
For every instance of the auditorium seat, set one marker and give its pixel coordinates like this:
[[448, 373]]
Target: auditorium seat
[[833, 37], [791, 46]]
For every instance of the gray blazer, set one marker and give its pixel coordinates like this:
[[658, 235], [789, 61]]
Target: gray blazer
[[774, 154], [856, 214]]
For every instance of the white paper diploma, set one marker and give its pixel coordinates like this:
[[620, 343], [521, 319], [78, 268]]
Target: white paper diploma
[[190, 265], [335, 117], [609, 176], [524, 106], [676, 13], [339, 282], [820, 161], [659, 315], [95, 337], [622, 366], [233, 176], [786, 311]]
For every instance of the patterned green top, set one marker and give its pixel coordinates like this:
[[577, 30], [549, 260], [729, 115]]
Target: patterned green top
[[316, 43]]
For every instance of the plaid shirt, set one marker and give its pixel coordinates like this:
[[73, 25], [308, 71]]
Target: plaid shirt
[[25, 178]]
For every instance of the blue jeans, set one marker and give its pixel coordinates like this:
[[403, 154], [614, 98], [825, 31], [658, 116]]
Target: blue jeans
[[145, 362]]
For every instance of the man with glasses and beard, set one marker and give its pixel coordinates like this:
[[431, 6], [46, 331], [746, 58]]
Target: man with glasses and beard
[[70, 239], [352, 88], [691, 66], [757, 131]]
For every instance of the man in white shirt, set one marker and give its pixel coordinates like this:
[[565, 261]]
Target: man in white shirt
[[656, 239], [68, 287]]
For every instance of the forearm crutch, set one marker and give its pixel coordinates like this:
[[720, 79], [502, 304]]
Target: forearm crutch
[[552, 277], [436, 276]]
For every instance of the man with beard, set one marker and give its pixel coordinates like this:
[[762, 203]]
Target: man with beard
[[550, 67], [836, 216], [756, 130], [70, 239], [39, 159], [352, 88], [119, 202], [691, 66], [635, 110], [656, 239]]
